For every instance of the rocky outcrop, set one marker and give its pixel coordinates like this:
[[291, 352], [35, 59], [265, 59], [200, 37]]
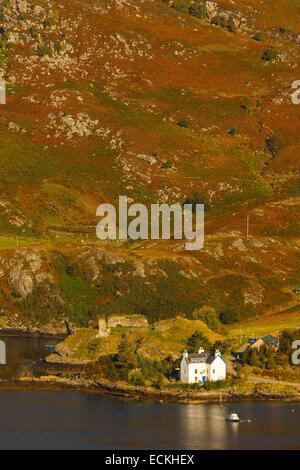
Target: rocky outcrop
[[24, 271]]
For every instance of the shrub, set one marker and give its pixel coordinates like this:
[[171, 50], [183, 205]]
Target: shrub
[[219, 384], [198, 10], [284, 30], [195, 8], [223, 22], [259, 36], [94, 345], [181, 5], [216, 20], [166, 165], [273, 144], [136, 377], [229, 317], [50, 21], [185, 123], [270, 54], [43, 50], [234, 131], [59, 47], [34, 32], [231, 26], [198, 198]]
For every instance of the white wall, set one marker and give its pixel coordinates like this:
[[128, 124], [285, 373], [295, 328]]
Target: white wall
[[192, 373], [184, 375], [217, 370]]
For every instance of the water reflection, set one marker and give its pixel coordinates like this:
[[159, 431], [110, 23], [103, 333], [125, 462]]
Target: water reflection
[[196, 421], [21, 353], [74, 420]]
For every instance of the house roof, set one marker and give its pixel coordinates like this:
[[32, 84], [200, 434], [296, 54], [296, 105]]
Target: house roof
[[258, 344], [202, 358], [242, 349], [198, 358], [270, 339]]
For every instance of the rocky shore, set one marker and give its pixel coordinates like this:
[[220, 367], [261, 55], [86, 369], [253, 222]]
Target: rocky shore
[[165, 395]]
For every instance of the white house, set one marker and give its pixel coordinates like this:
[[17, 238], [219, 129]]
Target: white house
[[202, 367]]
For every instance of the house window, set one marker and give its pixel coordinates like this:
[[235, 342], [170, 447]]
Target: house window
[[196, 371], [214, 371]]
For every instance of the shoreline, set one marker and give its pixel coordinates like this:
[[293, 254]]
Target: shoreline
[[141, 394], [27, 333], [49, 381]]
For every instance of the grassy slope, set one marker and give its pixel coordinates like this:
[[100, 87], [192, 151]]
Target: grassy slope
[[172, 67]]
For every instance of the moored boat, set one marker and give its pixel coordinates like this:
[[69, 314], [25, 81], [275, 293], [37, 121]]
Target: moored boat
[[233, 418]]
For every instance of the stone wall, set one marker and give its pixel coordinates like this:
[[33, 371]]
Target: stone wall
[[136, 321]]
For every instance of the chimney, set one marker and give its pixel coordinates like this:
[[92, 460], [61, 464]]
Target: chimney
[[185, 355], [217, 353], [200, 350]]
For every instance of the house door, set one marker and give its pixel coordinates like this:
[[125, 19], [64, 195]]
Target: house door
[[204, 379]]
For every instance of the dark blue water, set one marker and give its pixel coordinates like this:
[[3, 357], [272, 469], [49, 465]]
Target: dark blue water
[[74, 420]]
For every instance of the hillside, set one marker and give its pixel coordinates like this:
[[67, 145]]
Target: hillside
[[113, 97]]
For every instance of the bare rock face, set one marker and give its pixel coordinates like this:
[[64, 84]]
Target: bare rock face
[[73, 126], [21, 278], [139, 269], [254, 295], [20, 6], [24, 271], [92, 261], [212, 9], [12, 126]]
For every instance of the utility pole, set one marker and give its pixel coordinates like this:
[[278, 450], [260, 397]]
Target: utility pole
[[248, 225]]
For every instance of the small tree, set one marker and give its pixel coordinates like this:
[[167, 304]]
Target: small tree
[[196, 341], [185, 123], [270, 54], [126, 359], [253, 358], [229, 317]]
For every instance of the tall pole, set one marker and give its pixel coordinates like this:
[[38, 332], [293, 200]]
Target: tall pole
[[248, 225]]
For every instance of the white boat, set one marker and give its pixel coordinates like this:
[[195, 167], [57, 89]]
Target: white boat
[[233, 418]]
